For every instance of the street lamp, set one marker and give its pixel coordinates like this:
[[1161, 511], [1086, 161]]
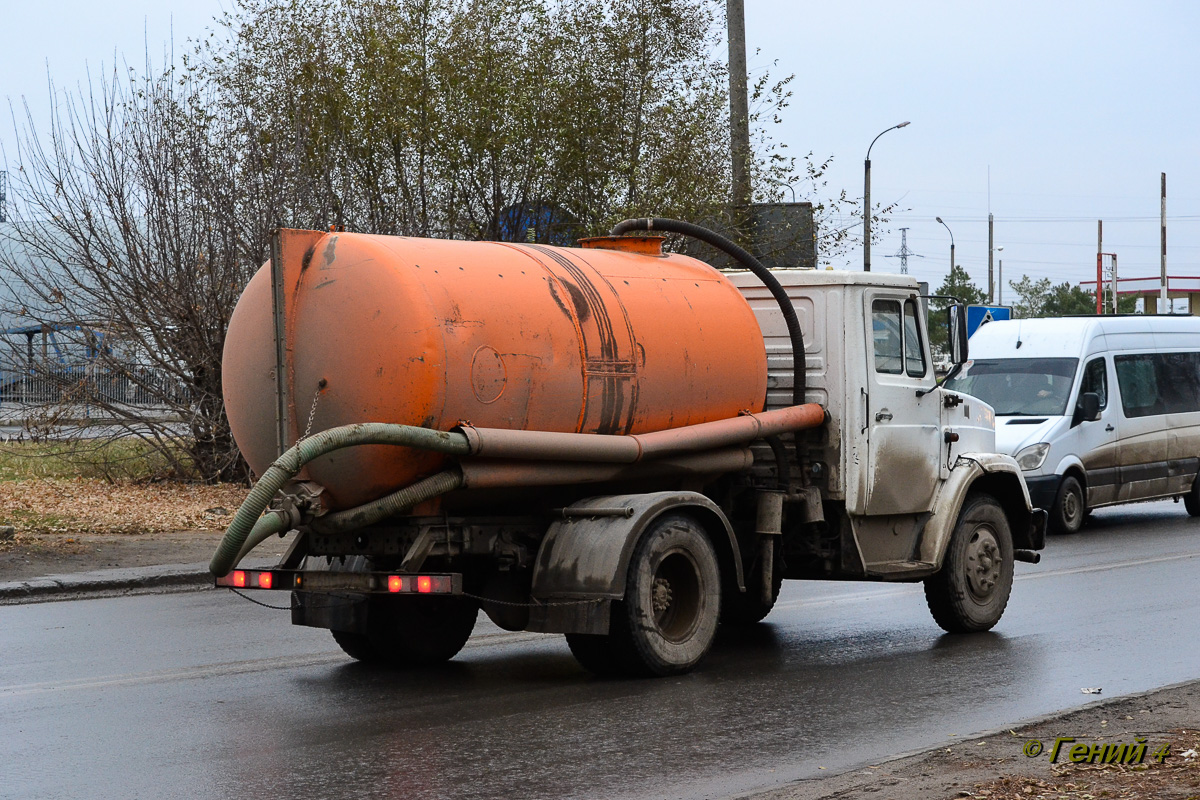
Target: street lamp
[[867, 199], [939, 219], [1000, 278]]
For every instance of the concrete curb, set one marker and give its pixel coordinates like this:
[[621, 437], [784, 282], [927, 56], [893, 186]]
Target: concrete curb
[[112, 581]]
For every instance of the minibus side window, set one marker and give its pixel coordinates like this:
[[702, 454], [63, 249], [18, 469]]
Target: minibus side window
[[1179, 381], [1095, 379], [1139, 386]]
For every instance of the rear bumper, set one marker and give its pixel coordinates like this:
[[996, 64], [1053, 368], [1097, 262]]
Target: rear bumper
[[1043, 490]]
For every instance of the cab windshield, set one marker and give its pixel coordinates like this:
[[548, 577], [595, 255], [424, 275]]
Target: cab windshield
[[1019, 386]]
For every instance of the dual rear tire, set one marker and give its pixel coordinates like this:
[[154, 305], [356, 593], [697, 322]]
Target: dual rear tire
[[411, 631], [668, 618]]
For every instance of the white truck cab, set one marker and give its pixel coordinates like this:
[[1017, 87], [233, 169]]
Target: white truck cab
[[1096, 410], [901, 454]]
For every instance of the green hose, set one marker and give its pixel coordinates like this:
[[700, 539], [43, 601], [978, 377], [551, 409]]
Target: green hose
[[270, 524], [384, 507], [291, 462]]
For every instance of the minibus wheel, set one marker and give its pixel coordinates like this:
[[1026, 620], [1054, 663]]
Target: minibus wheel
[[1070, 509]]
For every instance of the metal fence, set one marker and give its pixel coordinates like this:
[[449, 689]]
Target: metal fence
[[91, 384]]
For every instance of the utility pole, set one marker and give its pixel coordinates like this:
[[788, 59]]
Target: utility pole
[[1099, 267], [1162, 292], [739, 105], [991, 285]]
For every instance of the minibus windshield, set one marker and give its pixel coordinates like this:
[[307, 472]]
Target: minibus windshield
[[1019, 386]]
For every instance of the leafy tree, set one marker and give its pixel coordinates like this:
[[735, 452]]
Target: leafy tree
[[1042, 299], [1032, 297], [958, 284]]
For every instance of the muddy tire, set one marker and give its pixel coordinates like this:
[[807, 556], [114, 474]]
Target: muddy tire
[[1191, 500], [668, 618], [1070, 507], [601, 655], [970, 592], [411, 631], [748, 607]]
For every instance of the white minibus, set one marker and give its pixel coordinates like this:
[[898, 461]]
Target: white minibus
[[1096, 410]]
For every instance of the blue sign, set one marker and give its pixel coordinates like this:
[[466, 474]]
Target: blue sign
[[982, 315]]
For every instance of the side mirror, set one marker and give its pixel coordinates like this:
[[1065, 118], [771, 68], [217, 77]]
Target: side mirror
[[956, 320], [1088, 407]]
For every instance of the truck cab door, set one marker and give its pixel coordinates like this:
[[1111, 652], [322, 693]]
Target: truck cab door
[[904, 446]]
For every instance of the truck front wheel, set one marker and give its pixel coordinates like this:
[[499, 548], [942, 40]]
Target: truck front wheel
[[668, 618], [971, 590], [411, 631]]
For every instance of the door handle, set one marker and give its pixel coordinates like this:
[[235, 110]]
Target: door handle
[[1109, 428], [883, 416]]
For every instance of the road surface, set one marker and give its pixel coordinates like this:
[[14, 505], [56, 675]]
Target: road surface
[[205, 695]]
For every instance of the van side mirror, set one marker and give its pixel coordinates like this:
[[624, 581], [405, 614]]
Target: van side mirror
[[1088, 407], [956, 320]]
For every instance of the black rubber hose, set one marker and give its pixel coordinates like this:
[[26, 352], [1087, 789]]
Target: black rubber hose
[[743, 257]]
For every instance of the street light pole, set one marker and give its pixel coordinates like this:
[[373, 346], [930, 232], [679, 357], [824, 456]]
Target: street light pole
[[867, 199], [939, 219], [1000, 276]]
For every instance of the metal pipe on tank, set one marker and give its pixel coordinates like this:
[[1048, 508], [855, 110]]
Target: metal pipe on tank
[[553, 446], [504, 474]]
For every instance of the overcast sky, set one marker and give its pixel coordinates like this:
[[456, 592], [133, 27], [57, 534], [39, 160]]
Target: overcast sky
[[1074, 107]]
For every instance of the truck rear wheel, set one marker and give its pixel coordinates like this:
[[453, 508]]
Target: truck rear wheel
[[411, 631], [667, 621], [749, 607], [971, 590]]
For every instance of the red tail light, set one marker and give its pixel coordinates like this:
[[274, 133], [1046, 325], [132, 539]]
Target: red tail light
[[424, 584], [239, 579], [264, 580], [395, 583]]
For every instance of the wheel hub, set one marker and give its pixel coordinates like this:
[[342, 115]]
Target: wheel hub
[[983, 564], [1071, 507], [660, 596]]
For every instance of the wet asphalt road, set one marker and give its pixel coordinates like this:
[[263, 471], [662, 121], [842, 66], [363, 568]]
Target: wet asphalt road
[[204, 695]]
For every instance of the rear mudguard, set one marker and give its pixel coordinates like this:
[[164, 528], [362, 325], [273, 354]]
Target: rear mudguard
[[584, 558]]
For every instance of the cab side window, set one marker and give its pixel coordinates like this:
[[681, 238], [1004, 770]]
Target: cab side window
[[886, 336], [914, 353], [1095, 379]]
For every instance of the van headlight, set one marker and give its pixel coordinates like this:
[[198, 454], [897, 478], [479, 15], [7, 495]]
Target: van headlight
[[1033, 456]]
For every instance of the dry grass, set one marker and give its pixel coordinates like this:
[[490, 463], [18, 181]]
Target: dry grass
[[1176, 778]]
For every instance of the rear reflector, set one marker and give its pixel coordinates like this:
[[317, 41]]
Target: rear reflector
[[324, 581]]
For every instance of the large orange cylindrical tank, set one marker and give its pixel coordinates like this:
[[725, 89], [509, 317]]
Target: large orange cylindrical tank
[[433, 332]]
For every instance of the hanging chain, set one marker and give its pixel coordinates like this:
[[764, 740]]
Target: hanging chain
[[312, 412], [259, 602]]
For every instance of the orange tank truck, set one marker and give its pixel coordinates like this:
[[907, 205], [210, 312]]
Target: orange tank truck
[[613, 338]]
